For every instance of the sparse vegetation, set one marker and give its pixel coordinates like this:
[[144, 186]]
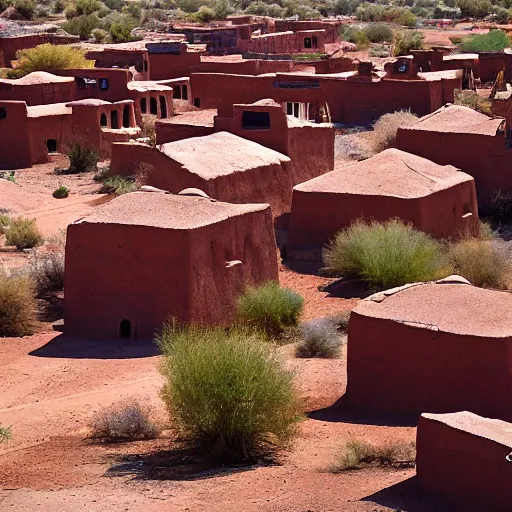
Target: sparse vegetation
[[147, 129], [473, 100], [357, 454], [5, 434], [270, 308], [228, 392], [61, 193], [407, 40], [4, 223], [484, 263], [386, 127], [493, 41], [385, 254], [125, 420], [81, 159], [23, 234], [319, 338], [49, 57], [118, 185], [17, 306], [47, 267]]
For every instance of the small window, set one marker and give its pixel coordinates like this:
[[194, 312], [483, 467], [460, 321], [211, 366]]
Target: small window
[[125, 329], [315, 42], [145, 65], [51, 145], [255, 120], [143, 105], [3, 113], [307, 42], [126, 116], [163, 107], [177, 92], [114, 121], [197, 102], [289, 109], [402, 66], [184, 92], [103, 119], [153, 107], [103, 83]]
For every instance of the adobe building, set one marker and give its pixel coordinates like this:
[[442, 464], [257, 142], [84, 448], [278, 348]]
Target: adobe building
[[282, 43], [29, 133], [146, 257], [469, 140], [439, 200], [467, 459], [442, 346], [226, 167]]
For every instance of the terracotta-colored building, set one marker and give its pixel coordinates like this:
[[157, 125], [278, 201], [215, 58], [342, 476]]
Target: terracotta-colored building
[[145, 257], [471, 141], [443, 346], [465, 458], [439, 200]]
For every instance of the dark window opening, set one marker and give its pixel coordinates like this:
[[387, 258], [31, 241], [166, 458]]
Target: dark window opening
[[402, 67], [184, 92], [82, 82], [143, 105], [51, 144], [3, 113], [255, 120], [103, 119], [103, 82], [153, 108], [139, 67], [315, 42], [289, 109], [197, 102], [126, 116], [163, 107], [307, 42], [145, 65], [125, 329], [114, 121], [177, 92]]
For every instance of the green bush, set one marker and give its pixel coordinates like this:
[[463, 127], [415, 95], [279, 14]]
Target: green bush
[[82, 26], [50, 57], [379, 32], [85, 7], [26, 8], [473, 100], [484, 263], [493, 41], [17, 306], [407, 40], [121, 29], [357, 36], [319, 338], [4, 223], [118, 185], [61, 193], [227, 391], [99, 35], [81, 158], [386, 128], [385, 254], [23, 234], [270, 308], [5, 434], [474, 8]]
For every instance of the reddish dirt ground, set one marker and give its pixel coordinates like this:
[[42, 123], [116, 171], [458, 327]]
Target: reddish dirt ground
[[53, 384]]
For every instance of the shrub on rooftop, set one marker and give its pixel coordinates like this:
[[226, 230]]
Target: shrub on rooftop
[[386, 127], [17, 305], [227, 391], [270, 308], [23, 234], [473, 100], [385, 254]]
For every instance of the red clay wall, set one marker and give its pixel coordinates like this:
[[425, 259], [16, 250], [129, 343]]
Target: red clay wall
[[48, 127], [490, 64], [166, 66], [397, 367], [485, 158], [14, 136], [332, 29], [170, 132], [469, 469], [39, 94]]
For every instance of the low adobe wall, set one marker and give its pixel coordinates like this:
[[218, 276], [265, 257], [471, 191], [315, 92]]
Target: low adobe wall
[[170, 132], [405, 367], [163, 66], [462, 457]]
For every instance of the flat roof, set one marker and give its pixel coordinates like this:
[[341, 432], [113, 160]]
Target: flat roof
[[458, 119], [52, 109], [449, 307], [192, 118], [393, 173], [220, 154], [37, 77], [167, 211]]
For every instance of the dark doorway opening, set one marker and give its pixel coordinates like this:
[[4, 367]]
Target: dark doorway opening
[[125, 329], [184, 92], [126, 116], [153, 108], [103, 119], [114, 121], [197, 102], [255, 120], [143, 105], [163, 107], [307, 42], [51, 144]]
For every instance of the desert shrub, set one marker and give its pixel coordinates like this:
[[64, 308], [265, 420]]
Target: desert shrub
[[8, 175], [26, 8], [357, 36], [386, 128], [473, 100], [85, 7], [5, 434], [82, 26], [358, 453], [99, 35], [58, 6], [121, 29], [147, 129], [49, 57], [493, 41], [118, 185], [474, 8], [4, 223], [125, 420], [319, 338], [227, 391], [81, 158], [17, 306], [501, 15], [61, 193], [483, 263], [385, 254], [407, 40], [270, 308], [379, 51], [379, 32], [47, 268], [23, 234]]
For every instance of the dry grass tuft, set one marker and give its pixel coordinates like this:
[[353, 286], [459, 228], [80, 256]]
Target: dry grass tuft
[[17, 306], [384, 130], [319, 338], [23, 234]]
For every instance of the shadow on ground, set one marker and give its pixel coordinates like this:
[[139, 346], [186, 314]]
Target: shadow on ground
[[408, 496], [71, 347], [342, 412]]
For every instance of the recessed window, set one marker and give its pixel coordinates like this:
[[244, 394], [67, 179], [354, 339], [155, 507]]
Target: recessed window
[[153, 107], [143, 105], [103, 119], [3, 113], [307, 42], [255, 120], [163, 107], [177, 92], [126, 116], [114, 121], [125, 329], [184, 92], [197, 102], [103, 83]]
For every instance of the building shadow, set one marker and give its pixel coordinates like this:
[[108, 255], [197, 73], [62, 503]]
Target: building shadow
[[408, 495], [342, 412], [72, 347], [347, 289]]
